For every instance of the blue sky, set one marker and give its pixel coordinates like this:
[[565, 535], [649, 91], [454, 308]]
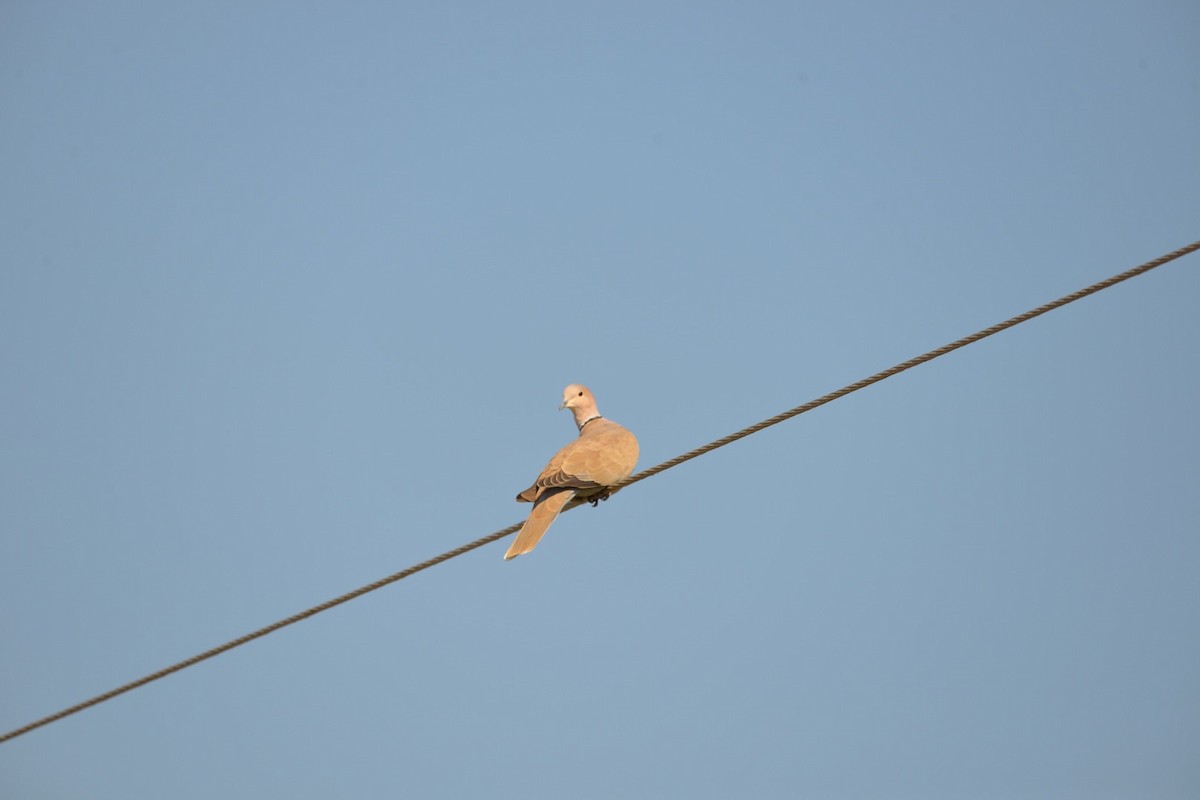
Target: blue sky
[[290, 293]]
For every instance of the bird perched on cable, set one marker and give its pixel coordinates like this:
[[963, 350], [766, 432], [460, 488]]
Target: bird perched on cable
[[604, 454]]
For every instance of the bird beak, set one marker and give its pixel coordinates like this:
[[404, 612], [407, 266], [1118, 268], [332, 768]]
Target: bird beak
[[564, 405]]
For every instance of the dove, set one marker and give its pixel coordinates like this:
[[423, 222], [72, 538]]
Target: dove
[[604, 454]]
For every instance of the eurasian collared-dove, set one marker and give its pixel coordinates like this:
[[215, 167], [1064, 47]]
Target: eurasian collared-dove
[[604, 454]]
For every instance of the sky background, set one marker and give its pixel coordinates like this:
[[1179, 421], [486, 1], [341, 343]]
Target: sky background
[[289, 293]]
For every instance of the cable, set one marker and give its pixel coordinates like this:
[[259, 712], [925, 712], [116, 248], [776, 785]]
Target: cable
[[249, 637], [641, 476], [913, 362]]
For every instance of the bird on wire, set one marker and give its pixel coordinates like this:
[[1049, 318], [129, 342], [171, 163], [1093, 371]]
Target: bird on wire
[[604, 455]]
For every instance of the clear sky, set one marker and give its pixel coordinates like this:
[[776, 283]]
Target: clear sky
[[289, 293]]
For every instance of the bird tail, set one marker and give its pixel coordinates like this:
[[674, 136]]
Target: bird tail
[[544, 512]]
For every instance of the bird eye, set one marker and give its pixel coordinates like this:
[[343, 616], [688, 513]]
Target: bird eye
[[581, 394]]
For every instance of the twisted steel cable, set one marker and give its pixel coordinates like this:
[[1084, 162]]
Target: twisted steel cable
[[641, 476], [913, 362]]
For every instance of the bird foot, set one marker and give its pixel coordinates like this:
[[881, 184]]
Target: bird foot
[[595, 500]]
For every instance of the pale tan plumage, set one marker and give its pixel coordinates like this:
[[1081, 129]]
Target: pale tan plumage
[[604, 454]]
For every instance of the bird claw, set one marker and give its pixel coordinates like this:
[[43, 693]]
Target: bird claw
[[595, 501]]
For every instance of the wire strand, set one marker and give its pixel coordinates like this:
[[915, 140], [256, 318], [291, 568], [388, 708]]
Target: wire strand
[[913, 362], [641, 476]]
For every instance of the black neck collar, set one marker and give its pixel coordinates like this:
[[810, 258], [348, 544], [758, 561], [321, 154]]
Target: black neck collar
[[586, 421]]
